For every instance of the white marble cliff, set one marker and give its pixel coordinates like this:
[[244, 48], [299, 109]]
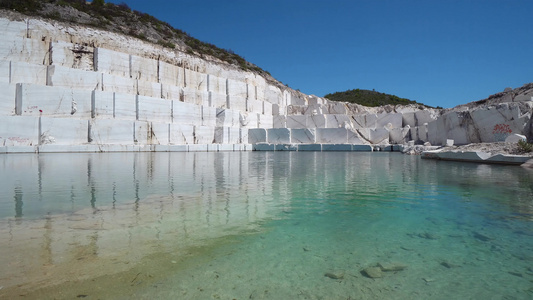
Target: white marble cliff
[[68, 88]]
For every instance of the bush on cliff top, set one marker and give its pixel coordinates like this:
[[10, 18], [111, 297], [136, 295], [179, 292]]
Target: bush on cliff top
[[370, 98]]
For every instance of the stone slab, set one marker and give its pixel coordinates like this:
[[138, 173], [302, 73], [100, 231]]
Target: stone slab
[[19, 131], [181, 134], [5, 71], [303, 136], [204, 134], [198, 148], [186, 113], [106, 131], [367, 148], [54, 148], [144, 69], [63, 131], [154, 109], [170, 75], [279, 121], [278, 136], [227, 118], [286, 147], [263, 147], [309, 147], [257, 135], [117, 84], [226, 147], [73, 78], [112, 62], [7, 99], [22, 49], [336, 147], [22, 72], [297, 121], [265, 121], [149, 89], [39, 100], [331, 136], [125, 106]]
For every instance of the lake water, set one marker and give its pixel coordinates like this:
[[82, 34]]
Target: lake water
[[263, 225]]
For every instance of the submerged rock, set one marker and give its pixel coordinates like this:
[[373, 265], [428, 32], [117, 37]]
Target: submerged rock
[[373, 272], [481, 236], [428, 236], [448, 265], [392, 266], [337, 274]]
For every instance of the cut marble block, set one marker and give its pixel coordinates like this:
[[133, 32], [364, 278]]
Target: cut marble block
[[123, 85], [14, 28], [209, 116], [194, 80], [144, 69], [106, 131], [76, 56], [225, 147], [160, 134], [112, 62], [149, 89], [254, 106], [125, 106], [310, 147], [181, 134], [237, 103], [186, 113], [212, 147], [303, 136], [265, 121], [221, 135], [142, 134], [170, 75], [204, 134], [234, 134], [279, 136], [237, 88], [250, 120], [494, 124], [331, 135], [227, 118], [297, 100], [268, 109], [354, 138], [277, 110], [417, 118], [336, 147], [338, 121], [419, 133], [7, 99], [365, 120], [216, 84], [49, 101], [154, 109], [279, 121], [389, 120], [195, 96], [22, 72], [297, 121], [379, 136], [21, 49], [218, 100], [103, 104], [171, 92], [274, 95], [337, 108], [243, 135], [362, 148], [257, 135], [5, 71], [315, 109], [198, 148], [264, 147], [64, 131], [285, 147], [433, 134], [19, 131], [317, 121], [400, 135], [73, 78]]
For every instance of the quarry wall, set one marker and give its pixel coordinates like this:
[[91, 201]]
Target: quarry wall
[[67, 88]]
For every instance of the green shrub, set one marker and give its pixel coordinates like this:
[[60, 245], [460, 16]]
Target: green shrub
[[524, 147]]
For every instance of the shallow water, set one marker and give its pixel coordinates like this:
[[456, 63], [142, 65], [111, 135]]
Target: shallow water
[[262, 225]]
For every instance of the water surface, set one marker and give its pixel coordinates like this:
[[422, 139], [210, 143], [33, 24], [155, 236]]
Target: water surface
[[262, 225]]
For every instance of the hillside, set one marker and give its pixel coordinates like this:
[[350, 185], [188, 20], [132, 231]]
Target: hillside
[[122, 19], [370, 98]]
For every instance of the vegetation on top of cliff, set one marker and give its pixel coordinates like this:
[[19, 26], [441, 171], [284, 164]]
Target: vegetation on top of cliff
[[371, 98], [122, 19]]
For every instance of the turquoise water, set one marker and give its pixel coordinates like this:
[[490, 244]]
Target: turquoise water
[[263, 225]]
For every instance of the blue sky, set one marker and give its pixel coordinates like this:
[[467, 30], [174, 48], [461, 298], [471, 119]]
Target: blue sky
[[438, 52]]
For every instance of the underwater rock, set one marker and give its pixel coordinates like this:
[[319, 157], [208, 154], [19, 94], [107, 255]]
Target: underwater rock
[[481, 236], [449, 265], [428, 236], [392, 267], [338, 274], [373, 272]]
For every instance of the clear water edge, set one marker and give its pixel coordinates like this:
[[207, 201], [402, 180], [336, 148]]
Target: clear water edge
[[263, 226]]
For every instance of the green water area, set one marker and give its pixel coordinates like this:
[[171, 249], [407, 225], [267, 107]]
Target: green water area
[[263, 225]]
